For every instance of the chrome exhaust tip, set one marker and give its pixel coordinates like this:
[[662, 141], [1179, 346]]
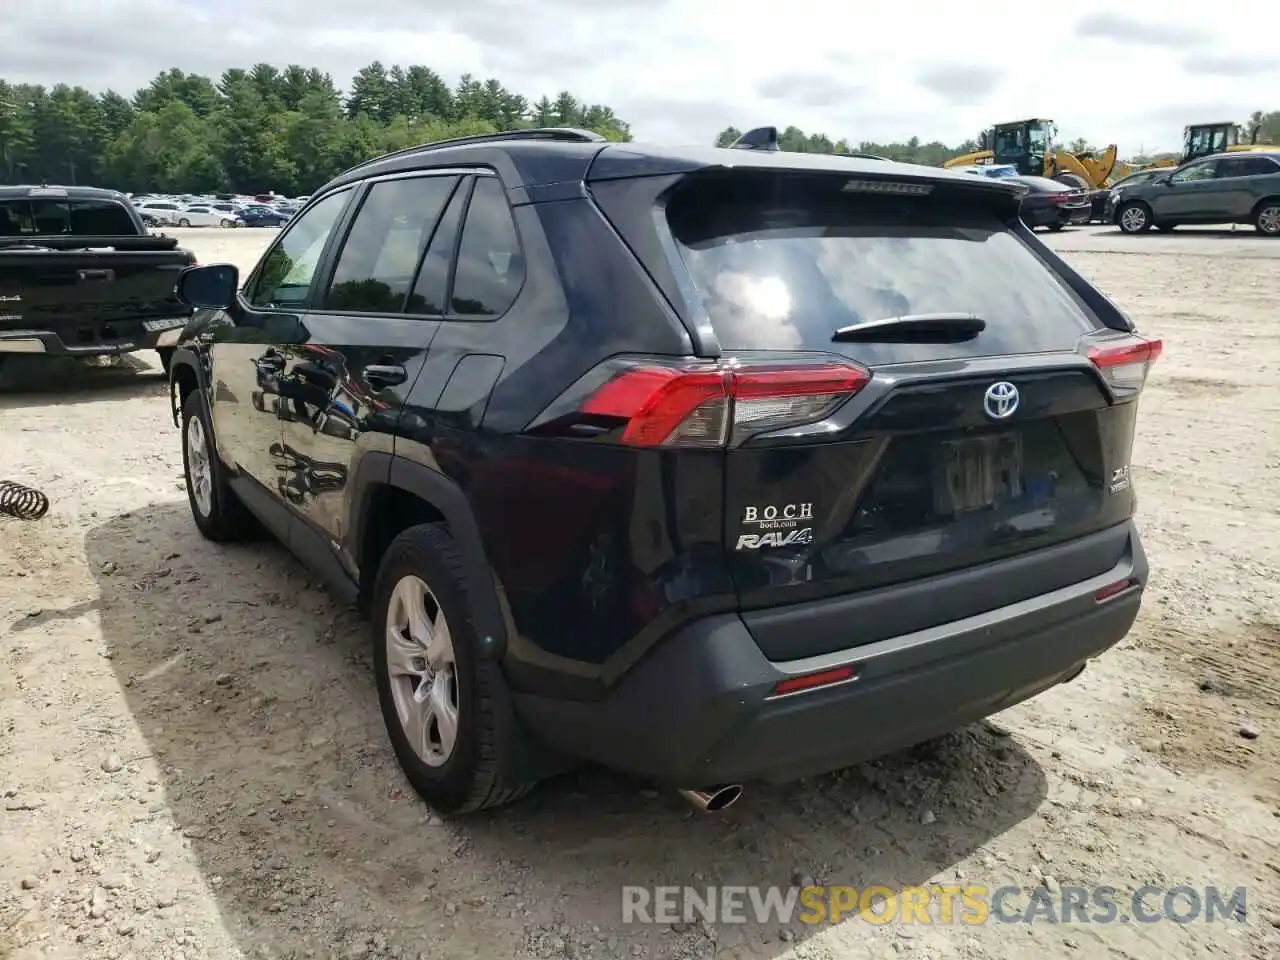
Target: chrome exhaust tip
[[713, 799]]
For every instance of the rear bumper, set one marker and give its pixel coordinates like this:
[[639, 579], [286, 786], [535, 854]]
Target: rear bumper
[[95, 339], [700, 708], [1050, 216]]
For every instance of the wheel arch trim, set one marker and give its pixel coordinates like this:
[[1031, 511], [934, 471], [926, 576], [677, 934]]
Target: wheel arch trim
[[380, 469], [185, 357]]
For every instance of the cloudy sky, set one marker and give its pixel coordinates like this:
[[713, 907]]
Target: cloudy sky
[[681, 70]]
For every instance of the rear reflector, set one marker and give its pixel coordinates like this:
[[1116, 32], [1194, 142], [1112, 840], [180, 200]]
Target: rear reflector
[[706, 407], [1126, 362], [808, 681], [1112, 590]]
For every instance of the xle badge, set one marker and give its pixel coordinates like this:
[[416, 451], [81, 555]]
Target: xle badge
[[1119, 480]]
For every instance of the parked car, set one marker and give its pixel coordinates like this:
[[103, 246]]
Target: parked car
[[199, 215], [230, 210], [1052, 204], [163, 211], [710, 465], [999, 171], [260, 216], [1227, 188], [1116, 190], [81, 276]]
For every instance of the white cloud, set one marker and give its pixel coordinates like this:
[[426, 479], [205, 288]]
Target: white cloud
[[681, 70]]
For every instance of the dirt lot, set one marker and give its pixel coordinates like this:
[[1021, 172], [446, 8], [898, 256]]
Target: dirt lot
[[195, 767]]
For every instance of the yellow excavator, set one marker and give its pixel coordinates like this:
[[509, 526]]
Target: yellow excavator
[[1031, 147], [1206, 139]]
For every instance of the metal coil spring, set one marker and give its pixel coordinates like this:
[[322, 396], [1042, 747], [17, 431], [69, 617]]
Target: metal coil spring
[[22, 502]]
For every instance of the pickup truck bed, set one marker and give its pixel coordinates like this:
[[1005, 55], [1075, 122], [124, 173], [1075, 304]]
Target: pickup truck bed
[[83, 295]]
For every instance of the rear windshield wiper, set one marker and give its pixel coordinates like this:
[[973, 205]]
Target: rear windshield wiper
[[914, 328]]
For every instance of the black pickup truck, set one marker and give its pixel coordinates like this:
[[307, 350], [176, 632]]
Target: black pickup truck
[[80, 275]]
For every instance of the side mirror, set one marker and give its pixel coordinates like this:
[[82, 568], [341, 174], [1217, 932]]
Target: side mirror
[[212, 287]]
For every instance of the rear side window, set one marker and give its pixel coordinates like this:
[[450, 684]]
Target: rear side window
[[83, 218], [379, 259], [490, 268], [1246, 167], [782, 262], [432, 285]]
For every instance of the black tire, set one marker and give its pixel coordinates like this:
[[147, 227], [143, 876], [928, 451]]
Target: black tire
[[166, 358], [227, 519], [469, 779], [1056, 227], [1134, 217], [1266, 219], [184, 222]]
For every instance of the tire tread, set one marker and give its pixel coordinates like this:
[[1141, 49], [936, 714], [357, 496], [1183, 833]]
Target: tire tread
[[230, 521], [487, 789]]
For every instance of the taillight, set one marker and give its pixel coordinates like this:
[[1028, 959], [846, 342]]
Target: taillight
[[1125, 363], [709, 406]]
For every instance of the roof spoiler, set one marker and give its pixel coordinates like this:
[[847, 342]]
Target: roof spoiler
[[761, 138]]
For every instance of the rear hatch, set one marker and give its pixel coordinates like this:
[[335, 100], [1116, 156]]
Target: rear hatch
[[912, 396], [85, 274]]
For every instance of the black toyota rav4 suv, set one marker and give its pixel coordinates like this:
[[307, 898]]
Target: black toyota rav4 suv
[[710, 465]]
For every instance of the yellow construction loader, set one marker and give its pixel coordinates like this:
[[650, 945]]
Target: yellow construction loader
[[1206, 139], [1031, 147]]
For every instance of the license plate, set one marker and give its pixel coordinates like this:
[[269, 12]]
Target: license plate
[[168, 323], [977, 473]]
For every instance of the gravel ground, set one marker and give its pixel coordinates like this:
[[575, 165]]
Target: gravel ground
[[195, 767]]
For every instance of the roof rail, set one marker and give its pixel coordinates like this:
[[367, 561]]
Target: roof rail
[[761, 138], [561, 134]]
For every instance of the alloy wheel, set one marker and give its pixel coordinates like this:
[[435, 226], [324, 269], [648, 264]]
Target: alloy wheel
[[422, 671], [1133, 219], [199, 467]]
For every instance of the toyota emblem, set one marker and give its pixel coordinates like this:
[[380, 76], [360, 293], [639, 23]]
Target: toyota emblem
[[1001, 400]]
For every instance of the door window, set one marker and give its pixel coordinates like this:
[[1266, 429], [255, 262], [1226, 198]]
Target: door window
[[431, 288], [380, 256], [490, 268], [288, 269], [1197, 171], [1245, 167]]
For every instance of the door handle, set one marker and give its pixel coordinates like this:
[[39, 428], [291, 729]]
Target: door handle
[[385, 374], [270, 362]]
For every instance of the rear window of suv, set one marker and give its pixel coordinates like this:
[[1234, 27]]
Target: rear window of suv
[[47, 217], [781, 262]]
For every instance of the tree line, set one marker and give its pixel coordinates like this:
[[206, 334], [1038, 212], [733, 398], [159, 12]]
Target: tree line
[[257, 129], [291, 129]]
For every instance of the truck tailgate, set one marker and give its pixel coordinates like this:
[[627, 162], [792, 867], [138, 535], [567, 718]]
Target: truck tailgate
[[89, 297]]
